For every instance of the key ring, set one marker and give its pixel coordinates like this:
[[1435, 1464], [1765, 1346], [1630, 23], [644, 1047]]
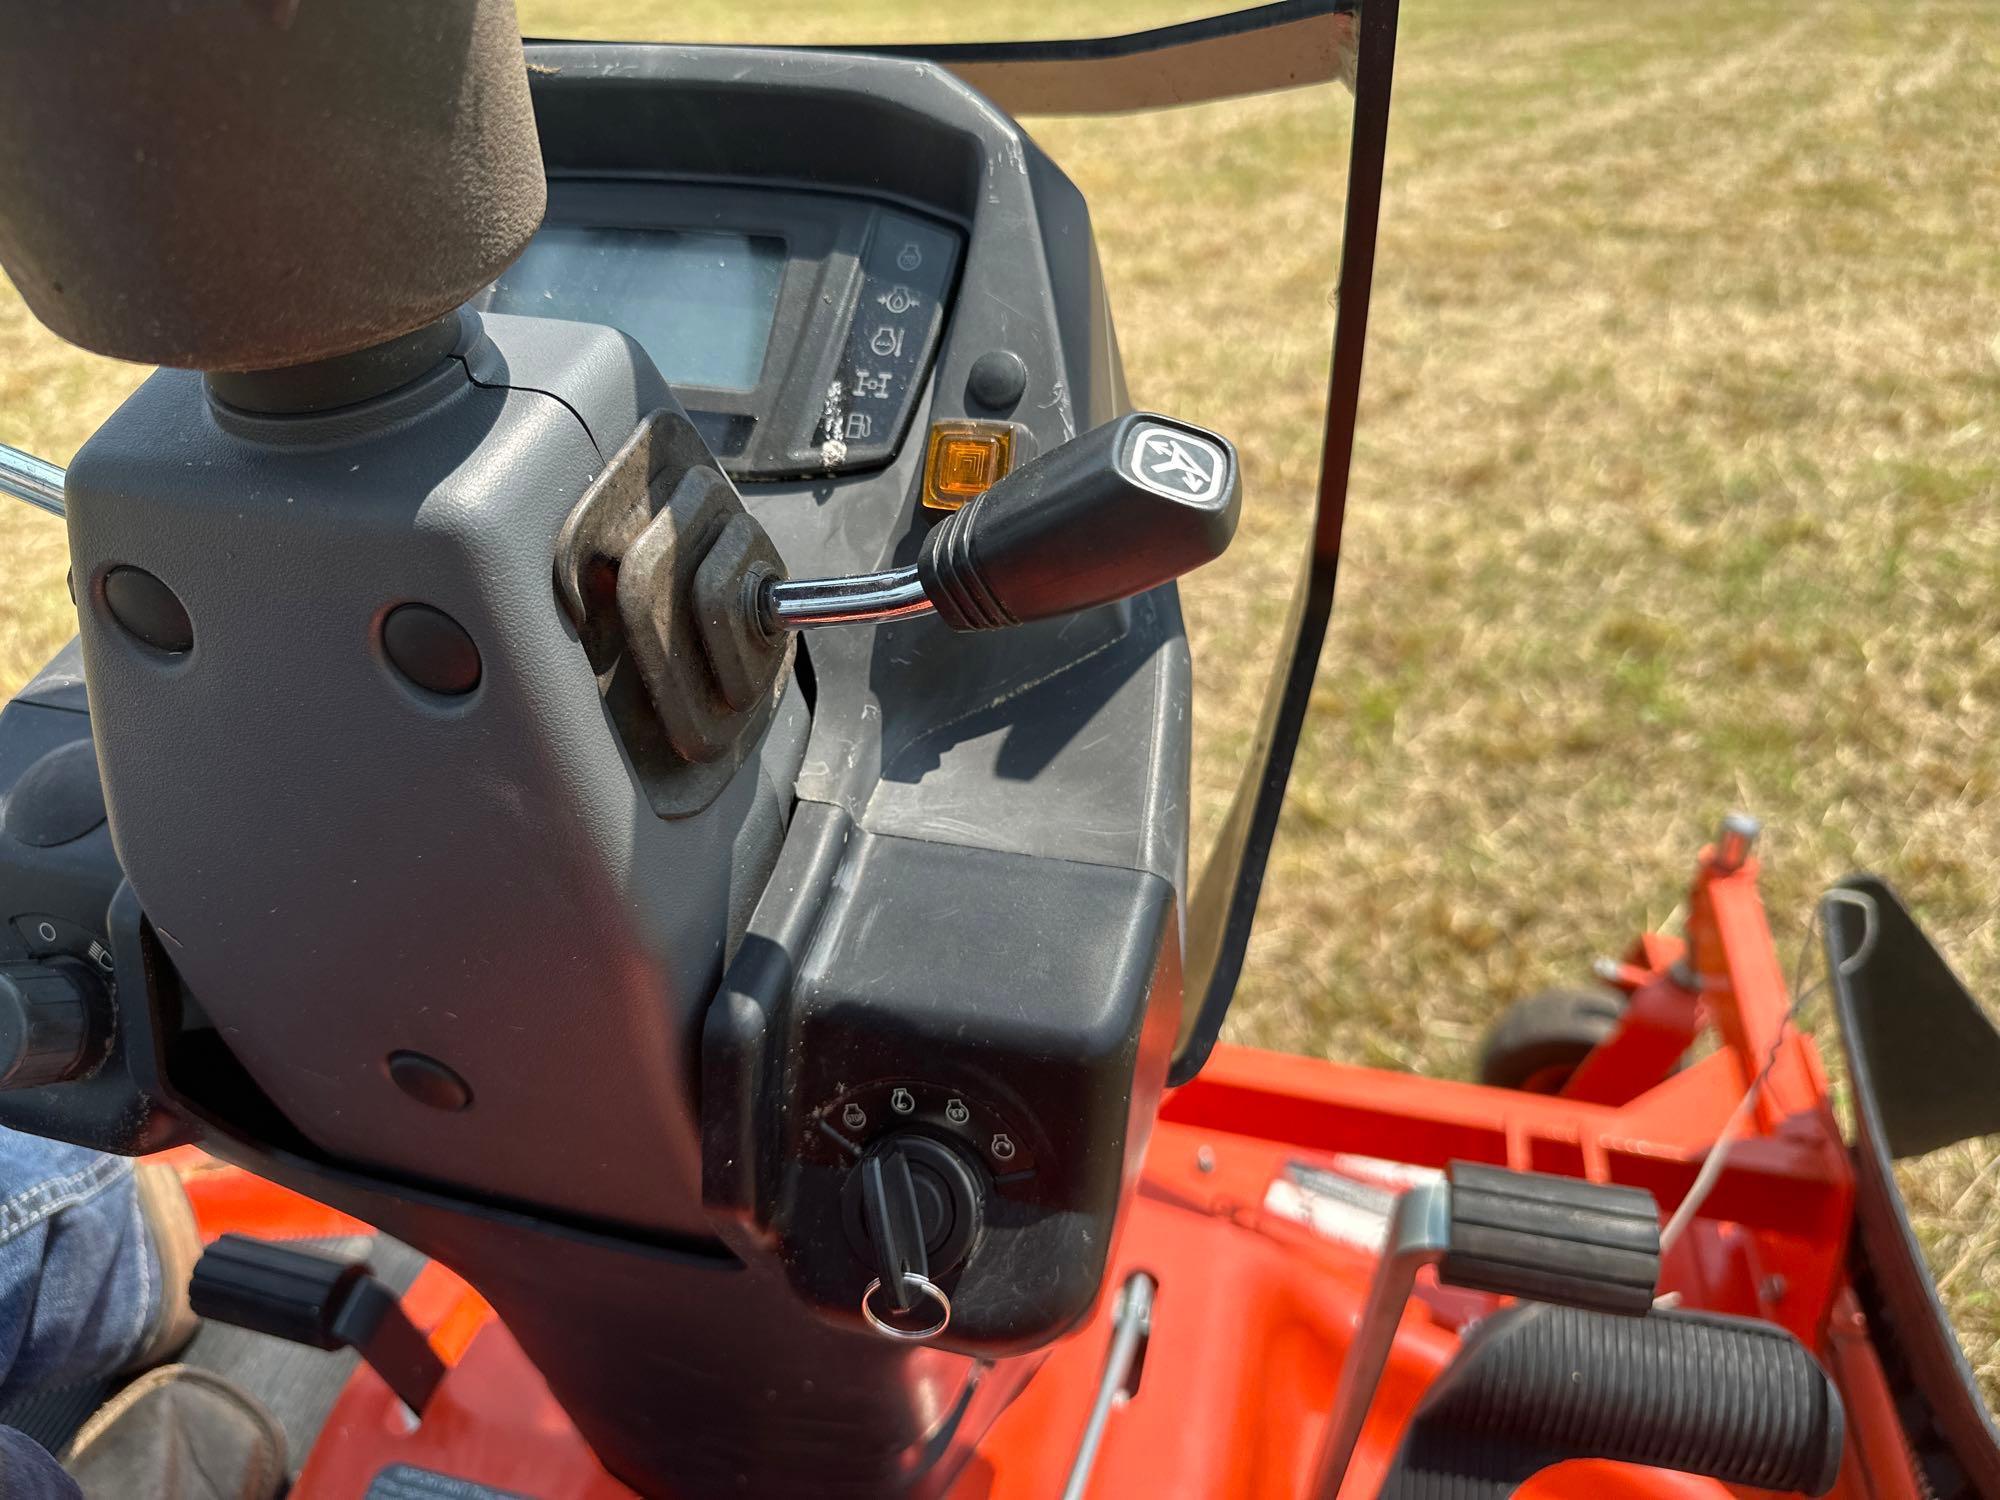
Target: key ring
[[889, 1330]]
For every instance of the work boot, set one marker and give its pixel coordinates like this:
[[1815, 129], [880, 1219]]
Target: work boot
[[176, 1239], [179, 1433]]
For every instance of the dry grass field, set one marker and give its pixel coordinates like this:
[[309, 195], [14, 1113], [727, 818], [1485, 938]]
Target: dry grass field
[[1678, 486]]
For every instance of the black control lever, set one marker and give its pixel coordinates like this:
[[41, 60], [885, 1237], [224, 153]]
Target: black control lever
[[320, 1301], [1122, 509]]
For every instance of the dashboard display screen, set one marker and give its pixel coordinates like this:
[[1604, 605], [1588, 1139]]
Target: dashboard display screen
[[701, 303]]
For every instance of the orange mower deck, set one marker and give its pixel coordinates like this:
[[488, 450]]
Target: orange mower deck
[[1256, 1301]]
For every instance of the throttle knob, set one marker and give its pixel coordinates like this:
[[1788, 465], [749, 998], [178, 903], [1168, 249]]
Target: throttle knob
[[1124, 508], [47, 1016]]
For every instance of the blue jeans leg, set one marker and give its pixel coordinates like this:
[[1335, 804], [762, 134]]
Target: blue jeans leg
[[79, 1286], [79, 1280], [29, 1472]]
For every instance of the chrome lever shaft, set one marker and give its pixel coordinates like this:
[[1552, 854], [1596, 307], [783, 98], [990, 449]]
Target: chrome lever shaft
[[806, 603], [32, 479]]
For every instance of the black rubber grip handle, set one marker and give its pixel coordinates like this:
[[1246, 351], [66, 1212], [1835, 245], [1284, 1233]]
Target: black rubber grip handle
[[1552, 1239], [1730, 1398], [313, 1299], [1124, 508], [291, 1294]]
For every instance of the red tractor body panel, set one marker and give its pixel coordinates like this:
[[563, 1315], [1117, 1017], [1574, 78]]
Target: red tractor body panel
[[1257, 1301]]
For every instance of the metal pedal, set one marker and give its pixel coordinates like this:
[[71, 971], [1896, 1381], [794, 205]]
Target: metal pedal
[[1521, 1234], [1731, 1399], [314, 1299]]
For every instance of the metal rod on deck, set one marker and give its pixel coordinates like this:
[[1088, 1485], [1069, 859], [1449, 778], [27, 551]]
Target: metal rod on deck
[[1131, 1324]]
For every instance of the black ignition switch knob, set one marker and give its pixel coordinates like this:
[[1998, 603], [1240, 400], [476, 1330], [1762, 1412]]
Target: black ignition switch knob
[[894, 1218], [913, 1210], [48, 1022]]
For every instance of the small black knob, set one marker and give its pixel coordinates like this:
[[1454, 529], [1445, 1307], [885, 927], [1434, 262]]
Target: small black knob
[[48, 1013]]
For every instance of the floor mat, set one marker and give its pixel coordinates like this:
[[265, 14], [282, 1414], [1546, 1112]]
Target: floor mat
[[51, 1418]]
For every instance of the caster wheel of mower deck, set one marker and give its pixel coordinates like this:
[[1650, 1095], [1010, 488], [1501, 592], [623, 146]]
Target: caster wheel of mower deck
[[1538, 1042]]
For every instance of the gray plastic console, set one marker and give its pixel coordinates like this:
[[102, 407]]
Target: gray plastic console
[[942, 896]]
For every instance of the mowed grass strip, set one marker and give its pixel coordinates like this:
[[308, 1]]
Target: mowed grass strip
[[1678, 486]]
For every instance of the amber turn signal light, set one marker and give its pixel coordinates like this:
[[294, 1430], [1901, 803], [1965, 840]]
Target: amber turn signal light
[[965, 460]]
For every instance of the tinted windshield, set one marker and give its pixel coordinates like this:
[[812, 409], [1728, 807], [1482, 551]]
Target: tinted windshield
[[825, 22]]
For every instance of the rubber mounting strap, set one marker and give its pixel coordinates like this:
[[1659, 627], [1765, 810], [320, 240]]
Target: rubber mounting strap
[[1552, 1239], [1284, 44], [1223, 906], [1535, 1385]]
